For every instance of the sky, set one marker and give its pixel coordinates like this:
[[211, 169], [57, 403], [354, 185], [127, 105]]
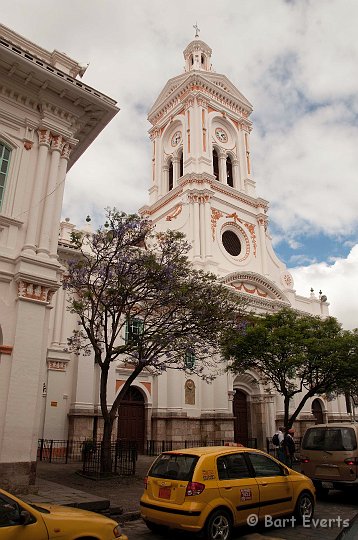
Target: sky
[[296, 61]]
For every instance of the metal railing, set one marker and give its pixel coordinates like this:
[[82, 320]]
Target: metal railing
[[154, 448], [123, 457], [60, 451]]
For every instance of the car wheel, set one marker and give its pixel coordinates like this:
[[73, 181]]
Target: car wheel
[[155, 528], [218, 526], [304, 507]]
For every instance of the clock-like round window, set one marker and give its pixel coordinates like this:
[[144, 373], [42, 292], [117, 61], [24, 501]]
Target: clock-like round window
[[231, 243], [221, 135], [176, 138]]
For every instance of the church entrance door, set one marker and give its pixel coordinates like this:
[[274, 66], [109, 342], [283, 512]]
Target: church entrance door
[[131, 418], [317, 411], [240, 411]]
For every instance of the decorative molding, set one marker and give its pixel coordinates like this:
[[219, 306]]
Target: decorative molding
[[252, 278], [210, 90], [243, 235], [256, 290], [44, 137], [6, 349], [215, 216], [175, 213], [200, 198], [56, 365], [287, 280], [28, 145], [35, 292]]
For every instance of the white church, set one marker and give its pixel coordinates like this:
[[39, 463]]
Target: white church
[[200, 183]]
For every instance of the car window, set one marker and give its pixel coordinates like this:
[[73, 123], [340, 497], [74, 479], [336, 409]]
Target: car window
[[175, 466], [330, 439], [9, 512], [232, 466], [265, 466]]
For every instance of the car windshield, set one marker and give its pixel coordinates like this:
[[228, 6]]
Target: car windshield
[[330, 439], [175, 466]]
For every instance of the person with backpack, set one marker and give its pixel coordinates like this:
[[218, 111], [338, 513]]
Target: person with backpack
[[277, 441], [289, 447]]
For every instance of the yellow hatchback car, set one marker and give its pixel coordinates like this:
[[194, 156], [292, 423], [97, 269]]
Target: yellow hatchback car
[[213, 489], [22, 521]]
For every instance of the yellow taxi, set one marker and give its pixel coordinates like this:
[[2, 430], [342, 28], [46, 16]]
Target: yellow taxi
[[213, 489], [22, 521]]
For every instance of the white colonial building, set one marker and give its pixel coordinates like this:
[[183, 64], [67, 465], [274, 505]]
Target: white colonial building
[[48, 118], [201, 184]]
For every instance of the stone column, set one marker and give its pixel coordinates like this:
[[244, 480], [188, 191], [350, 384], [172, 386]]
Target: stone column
[[34, 211], [175, 161], [207, 221], [236, 174], [202, 226], [196, 225], [262, 221], [222, 166], [49, 203], [60, 187], [164, 184]]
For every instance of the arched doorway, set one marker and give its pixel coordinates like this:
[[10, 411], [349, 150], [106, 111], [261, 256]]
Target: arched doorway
[[317, 411], [131, 417], [240, 411]]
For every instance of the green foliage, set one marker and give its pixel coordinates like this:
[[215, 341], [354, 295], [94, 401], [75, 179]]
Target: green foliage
[[295, 354], [126, 271]]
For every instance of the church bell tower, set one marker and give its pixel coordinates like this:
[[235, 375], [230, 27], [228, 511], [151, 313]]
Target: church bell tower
[[202, 183]]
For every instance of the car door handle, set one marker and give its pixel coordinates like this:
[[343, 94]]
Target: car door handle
[[263, 483], [227, 488]]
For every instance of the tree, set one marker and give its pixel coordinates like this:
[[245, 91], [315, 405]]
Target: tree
[[126, 276], [296, 354]]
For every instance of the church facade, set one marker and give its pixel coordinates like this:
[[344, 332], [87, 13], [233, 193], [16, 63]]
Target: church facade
[[201, 184]]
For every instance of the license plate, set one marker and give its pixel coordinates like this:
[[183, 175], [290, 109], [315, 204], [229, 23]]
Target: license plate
[[327, 485], [164, 492]]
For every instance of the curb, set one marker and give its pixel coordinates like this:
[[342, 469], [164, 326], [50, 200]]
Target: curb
[[128, 516]]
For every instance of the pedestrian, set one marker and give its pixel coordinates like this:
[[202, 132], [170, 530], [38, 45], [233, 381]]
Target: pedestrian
[[289, 447], [277, 441]]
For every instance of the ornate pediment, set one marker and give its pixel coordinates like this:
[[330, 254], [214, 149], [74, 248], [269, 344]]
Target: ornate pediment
[[261, 291], [215, 87]]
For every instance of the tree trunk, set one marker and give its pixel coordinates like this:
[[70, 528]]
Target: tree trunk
[[286, 412], [106, 453]]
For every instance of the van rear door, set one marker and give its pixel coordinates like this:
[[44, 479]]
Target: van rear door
[[330, 453]]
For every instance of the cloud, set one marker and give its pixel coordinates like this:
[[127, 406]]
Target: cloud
[[338, 281], [296, 61]]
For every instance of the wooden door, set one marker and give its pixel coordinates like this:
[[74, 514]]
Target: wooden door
[[317, 411], [131, 418], [240, 411]]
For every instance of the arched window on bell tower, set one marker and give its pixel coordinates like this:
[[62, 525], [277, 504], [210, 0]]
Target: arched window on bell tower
[[215, 164], [181, 165], [170, 176], [229, 173]]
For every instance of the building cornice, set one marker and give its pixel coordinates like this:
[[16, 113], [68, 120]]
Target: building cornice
[[199, 82]]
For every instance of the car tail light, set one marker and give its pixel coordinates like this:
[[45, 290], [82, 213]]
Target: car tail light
[[304, 459], [351, 461], [145, 482], [194, 488]]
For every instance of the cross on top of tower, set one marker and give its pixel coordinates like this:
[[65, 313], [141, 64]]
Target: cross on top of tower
[[197, 29]]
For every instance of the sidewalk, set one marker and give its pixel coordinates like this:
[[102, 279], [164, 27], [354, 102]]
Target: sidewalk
[[60, 484]]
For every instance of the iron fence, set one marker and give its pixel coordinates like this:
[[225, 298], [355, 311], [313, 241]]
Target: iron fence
[[154, 448], [60, 451], [123, 457]]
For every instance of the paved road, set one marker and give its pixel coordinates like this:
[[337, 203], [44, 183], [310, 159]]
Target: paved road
[[338, 506]]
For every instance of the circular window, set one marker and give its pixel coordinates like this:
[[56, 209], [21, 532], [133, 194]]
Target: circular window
[[231, 243]]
